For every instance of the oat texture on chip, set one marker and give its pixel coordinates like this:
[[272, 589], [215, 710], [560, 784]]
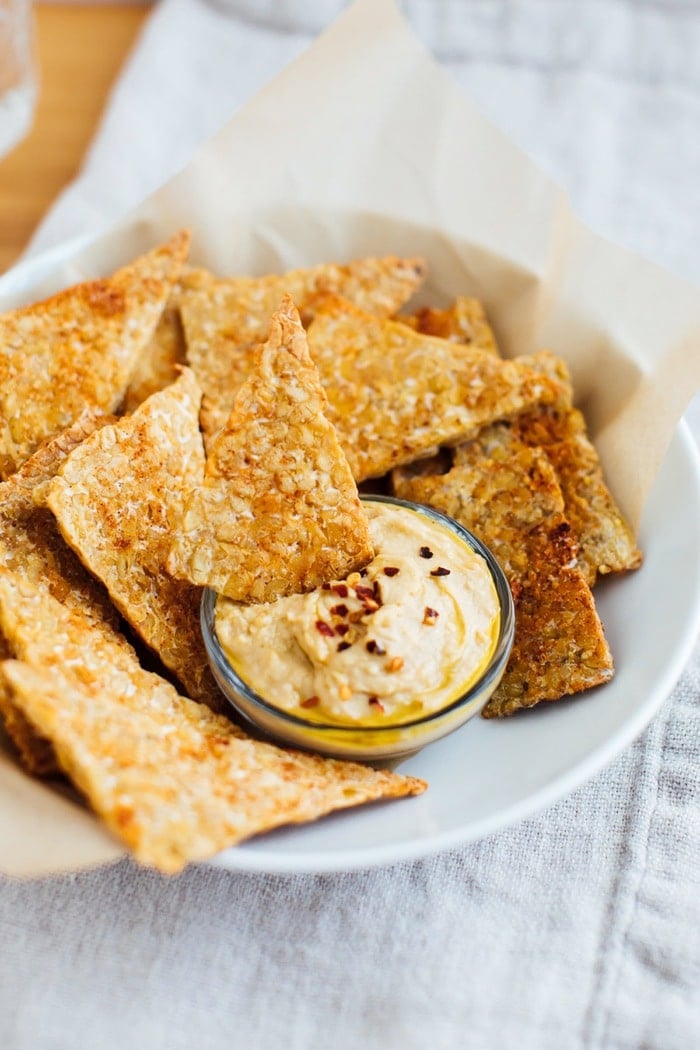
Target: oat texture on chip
[[159, 363], [77, 349], [507, 494], [176, 782], [464, 321], [30, 544], [226, 319], [394, 393], [35, 752], [278, 511], [118, 501], [606, 541]]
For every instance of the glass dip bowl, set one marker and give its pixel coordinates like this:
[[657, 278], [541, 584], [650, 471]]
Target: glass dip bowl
[[387, 738]]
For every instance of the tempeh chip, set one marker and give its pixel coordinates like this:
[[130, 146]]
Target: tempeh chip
[[507, 494], [118, 500], [226, 319], [394, 393], [77, 349], [464, 321], [278, 511]]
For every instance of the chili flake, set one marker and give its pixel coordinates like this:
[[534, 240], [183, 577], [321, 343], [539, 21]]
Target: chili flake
[[342, 628], [373, 646], [324, 628], [430, 616], [440, 571], [339, 610], [311, 701], [341, 589], [425, 552], [343, 645], [391, 570], [374, 701]]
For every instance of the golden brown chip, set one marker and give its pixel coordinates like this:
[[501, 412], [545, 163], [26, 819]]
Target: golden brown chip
[[159, 364], [174, 781], [226, 320], [31, 544], [278, 512], [118, 501], [463, 322], [607, 543], [77, 349], [394, 393], [507, 494]]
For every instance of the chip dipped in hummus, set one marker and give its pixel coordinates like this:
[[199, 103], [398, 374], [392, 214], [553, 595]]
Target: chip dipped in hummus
[[403, 638]]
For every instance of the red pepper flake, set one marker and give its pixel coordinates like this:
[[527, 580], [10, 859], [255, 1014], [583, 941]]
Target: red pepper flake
[[373, 646], [374, 701], [394, 664], [311, 701], [440, 571], [324, 628], [343, 645], [391, 570], [425, 552], [430, 616], [341, 589], [342, 628], [363, 593], [339, 610], [325, 586]]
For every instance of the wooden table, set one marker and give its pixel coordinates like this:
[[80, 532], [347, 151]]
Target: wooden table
[[80, 52]]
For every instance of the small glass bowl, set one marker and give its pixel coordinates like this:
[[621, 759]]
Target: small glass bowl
[[367, 743]]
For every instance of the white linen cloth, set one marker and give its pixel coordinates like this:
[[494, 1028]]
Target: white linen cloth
[[579, 927]]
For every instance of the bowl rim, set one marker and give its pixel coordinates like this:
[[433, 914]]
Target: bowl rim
[[223, 669]]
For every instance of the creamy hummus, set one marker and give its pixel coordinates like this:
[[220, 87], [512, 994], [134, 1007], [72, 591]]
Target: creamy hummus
[[402, 639]]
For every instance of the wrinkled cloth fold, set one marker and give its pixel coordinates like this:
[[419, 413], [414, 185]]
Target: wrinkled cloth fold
[[579, 927]]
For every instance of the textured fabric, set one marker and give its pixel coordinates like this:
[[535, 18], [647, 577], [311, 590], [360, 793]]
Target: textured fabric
[[577, 928]]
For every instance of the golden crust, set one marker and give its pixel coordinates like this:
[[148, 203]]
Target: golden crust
[[173, 780], [34, 751], [464, 321], [118, 500], [31, 544], [226, 320], [607, 543], [77, 349], [160, 362], [394, 393], [507, 494], [278, 512]]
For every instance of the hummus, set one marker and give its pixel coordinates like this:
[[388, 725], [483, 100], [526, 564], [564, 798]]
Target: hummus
[[404, 638]]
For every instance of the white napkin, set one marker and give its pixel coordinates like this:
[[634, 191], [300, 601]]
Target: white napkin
[[577, 928]]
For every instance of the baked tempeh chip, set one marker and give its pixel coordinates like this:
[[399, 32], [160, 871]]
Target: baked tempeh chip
[[30, 544], [464, 321], [507, 494], [118, 500], [606, 541], [173, 780], [160, 362], [77, 349], [225, 320], [278, 511], [394, 394]]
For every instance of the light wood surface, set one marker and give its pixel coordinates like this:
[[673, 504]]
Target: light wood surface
[[80, 51]]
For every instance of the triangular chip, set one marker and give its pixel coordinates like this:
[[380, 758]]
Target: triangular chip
[[507, 494], [173, 780], [394, 393], [464, 321], [225, 321], [31, 544], [118, 501], [278, 511], [160, 362], [77, 349]]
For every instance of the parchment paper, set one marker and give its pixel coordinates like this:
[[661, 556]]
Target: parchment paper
[[365, 146]]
